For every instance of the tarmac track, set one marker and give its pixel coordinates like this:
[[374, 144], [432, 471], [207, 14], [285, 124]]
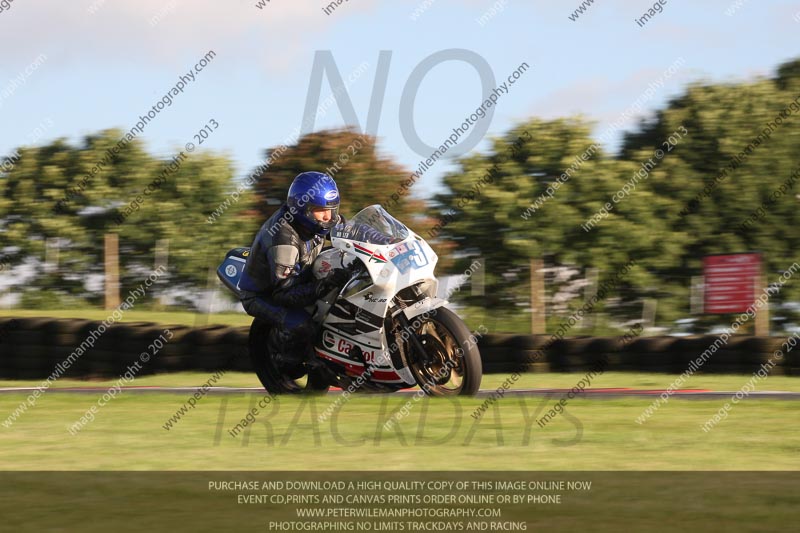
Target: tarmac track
[[599, 394]]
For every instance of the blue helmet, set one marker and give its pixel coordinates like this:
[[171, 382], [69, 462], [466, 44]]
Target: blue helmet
[[313, 190]]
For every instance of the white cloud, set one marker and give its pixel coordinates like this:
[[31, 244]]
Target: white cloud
[[604, 100], [88, 31]]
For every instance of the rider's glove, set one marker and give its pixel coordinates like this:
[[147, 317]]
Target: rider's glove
[[335, 280], [339, 277]]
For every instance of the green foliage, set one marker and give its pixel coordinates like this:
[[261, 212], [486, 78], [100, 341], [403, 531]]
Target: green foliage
[[46, 300], [176, 211], [173, 211], [721, 120], [363, 176]]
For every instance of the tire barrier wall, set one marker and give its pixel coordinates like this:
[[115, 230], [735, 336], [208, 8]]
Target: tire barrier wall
[[32, 348]]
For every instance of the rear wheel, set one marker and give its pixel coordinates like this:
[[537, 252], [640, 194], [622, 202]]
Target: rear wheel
[[272, 378], [450, 363]]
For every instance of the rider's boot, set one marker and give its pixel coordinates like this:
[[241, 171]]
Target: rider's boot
[[285, 353]]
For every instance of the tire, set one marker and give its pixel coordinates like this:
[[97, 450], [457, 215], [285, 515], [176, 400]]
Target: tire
[[605, 345], [528, 342], [66, 326], [269, 375], [177, 354], [33, 323], [442, 354], [209, 335], [493, 340]]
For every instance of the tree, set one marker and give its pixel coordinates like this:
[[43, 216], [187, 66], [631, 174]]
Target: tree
[[717, 168], [549, 178], [726, 139], [47, 195], [363, 176]]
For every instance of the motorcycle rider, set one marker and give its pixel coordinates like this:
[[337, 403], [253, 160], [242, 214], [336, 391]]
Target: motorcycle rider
[[278, 282]]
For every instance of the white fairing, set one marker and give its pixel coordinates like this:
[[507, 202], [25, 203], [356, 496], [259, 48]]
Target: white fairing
[[356, 318], [329, 260]]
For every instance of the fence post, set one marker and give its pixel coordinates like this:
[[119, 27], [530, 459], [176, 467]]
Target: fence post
[[112, 270], [538, 324]]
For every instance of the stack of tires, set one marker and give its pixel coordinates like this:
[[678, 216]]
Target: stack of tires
[[740, 354], [7, 354], [571, 354], [32, 348], [141, 342], [730, 357], [26, 349], [210, 348], [650, 354], [236, 344], [495, 359], [66, 335], [756, 351], [178, 354], [606, 352], [502, 354], [684, 350], [791, 358], [99, 360]]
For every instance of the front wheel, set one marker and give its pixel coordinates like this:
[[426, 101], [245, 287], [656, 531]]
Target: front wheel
[[270, 375], [450, 363]]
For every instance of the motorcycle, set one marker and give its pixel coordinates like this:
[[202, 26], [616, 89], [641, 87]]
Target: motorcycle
[[385, 329]]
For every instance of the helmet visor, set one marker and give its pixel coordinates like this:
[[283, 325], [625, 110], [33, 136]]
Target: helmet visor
[[325, 217]]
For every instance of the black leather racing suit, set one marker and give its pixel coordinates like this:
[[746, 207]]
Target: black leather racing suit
[[277, 282]]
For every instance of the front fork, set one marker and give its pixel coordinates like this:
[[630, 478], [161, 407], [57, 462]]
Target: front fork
[[405, 325]]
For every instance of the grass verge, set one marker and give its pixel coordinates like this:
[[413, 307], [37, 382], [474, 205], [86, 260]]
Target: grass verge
[[290, 433]]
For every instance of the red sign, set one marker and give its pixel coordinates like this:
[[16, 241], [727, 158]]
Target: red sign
[[730, 282]]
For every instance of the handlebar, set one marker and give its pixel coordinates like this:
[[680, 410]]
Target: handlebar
[[356, 267]]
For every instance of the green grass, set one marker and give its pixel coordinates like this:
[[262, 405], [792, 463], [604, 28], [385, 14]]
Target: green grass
[[519, 322], [127, 433]]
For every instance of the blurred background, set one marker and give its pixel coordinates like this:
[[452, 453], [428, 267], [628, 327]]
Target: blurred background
[[602, 95]]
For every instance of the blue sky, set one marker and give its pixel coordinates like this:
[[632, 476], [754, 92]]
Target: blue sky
[[106, 66]]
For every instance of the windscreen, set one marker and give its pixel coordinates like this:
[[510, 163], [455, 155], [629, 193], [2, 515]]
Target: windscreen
[[372, 225]]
